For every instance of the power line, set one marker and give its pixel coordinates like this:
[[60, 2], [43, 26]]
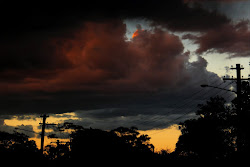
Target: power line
[[187, 102], [26, 130], [172, 121], [180, 97]]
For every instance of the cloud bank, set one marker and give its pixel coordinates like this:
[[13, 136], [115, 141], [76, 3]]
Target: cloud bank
[[76, 57], [96, 57]]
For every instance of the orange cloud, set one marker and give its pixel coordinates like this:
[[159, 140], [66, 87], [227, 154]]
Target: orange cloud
[[135, 34]]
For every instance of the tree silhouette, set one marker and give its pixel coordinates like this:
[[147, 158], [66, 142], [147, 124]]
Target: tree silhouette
[[131, 137], [220, 132], [59, 152], [212, 135], [17, 146], [118, 144]]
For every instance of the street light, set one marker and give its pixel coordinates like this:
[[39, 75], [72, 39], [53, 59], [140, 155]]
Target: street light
[[204, 85]]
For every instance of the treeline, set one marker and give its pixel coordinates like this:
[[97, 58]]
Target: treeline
[[124, 144]]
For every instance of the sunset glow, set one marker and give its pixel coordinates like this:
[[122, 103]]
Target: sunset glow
[[164, 139]]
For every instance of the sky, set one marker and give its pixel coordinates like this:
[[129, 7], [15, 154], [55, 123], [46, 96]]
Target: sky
[[131, 63]]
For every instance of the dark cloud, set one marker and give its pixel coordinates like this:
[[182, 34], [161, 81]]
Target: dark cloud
[[146, 110], [191, 18], [232, 39], [69, 57], [26, 129], [36, 38], [98, 58], [137, 77], [38, 17], [143, 118], [26, 55], [51, 47]]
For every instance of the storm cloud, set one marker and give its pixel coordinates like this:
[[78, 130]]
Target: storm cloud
[[76, 57], [98, 57], [22, 18]]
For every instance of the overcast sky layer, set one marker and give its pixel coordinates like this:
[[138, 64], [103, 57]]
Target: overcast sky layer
[[130, 63]]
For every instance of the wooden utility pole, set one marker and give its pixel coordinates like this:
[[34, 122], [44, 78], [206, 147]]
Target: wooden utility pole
[[44, 116], [238, 82], [240, 114]]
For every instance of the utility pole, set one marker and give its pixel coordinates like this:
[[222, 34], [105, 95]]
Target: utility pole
[[44, 116], [238, 82], [240, 114]]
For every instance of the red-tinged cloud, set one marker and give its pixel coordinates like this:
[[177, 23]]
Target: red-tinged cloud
[[98, 57], [232, 39]]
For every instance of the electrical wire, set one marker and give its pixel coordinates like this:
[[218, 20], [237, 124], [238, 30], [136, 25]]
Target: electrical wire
[[184, 102], [173, 120], [26, 130], [184, 105]]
